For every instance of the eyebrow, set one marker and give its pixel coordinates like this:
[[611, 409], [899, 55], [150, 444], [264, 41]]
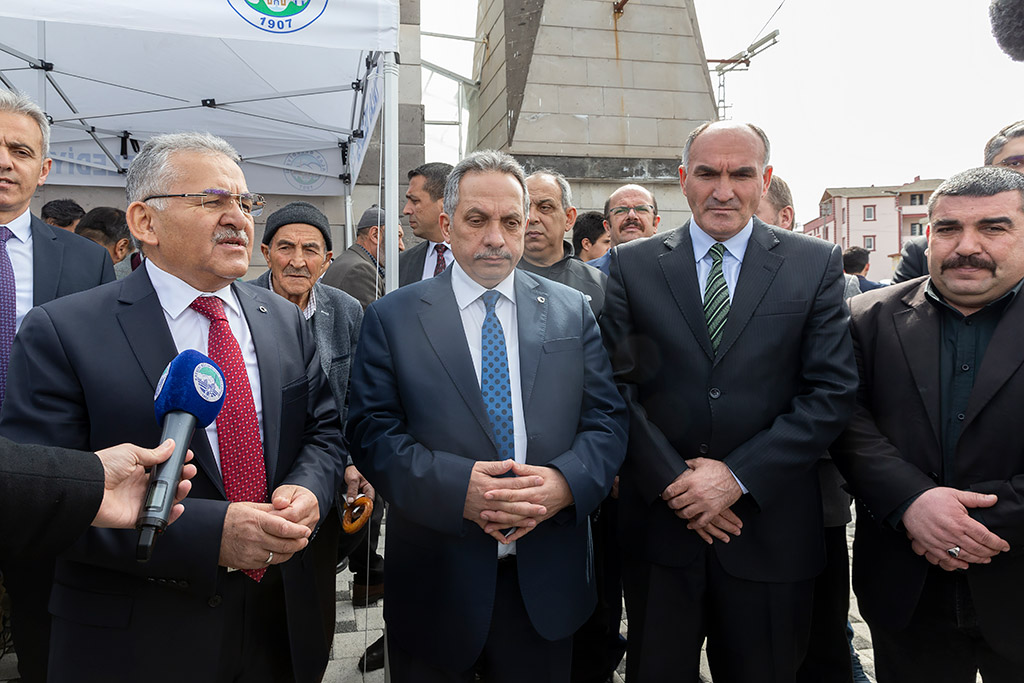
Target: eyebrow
[[996, 220], [1015, 157]]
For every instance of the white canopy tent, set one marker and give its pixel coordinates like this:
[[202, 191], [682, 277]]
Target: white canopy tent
[[295, 85]]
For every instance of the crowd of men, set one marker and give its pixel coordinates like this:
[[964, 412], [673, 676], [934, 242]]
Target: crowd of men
[[676, 416]]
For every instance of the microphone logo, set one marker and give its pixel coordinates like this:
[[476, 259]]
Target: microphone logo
[[160, 384], [208, 381]]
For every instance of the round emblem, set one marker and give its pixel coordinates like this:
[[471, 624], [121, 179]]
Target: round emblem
[[208, 382], [279, 16], [300, 164]]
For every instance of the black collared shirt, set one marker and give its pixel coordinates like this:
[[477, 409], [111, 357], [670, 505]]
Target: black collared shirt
[[963, 341]]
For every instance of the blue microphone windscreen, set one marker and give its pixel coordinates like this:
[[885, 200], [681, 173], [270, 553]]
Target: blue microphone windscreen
[[191, 383]]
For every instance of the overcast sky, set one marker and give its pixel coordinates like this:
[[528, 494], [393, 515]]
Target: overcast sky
[[871, 92]]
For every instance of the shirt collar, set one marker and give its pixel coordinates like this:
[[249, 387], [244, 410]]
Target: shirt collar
[[467, 290], [936, 299], [310, 308], [735, 245], [176, 295], [21, 227]]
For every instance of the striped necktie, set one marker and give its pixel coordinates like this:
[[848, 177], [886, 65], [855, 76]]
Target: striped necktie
[[716, 296], [8, 308]]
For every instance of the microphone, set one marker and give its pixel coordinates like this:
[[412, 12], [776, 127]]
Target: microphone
[[1007, 18], [190, 394]]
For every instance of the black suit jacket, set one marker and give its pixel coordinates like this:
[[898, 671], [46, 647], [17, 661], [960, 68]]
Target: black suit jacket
[[913, 260], [48, 497], [410, 264], [64, 263], [891, 451], [768, 404], [417, 424], [84, 369]]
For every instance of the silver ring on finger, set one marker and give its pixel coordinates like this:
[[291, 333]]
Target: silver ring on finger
[[271, 558], [954, 552]]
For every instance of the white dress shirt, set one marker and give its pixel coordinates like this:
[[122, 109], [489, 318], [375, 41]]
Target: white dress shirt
[[732, 259], [473, 310], [430, 262], [19, 249], [190, 329]]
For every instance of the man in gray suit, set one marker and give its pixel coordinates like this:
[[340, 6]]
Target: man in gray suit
[[729, 342], [359, 271]]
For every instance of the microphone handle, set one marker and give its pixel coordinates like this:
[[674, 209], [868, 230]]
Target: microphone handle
[[163, 482]]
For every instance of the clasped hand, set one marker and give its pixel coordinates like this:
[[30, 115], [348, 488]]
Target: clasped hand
[[703, 495], [520, 502], [278, 529], [938, 521]]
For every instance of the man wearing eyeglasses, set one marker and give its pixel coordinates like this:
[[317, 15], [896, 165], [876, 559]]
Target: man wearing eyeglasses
[[1006, 148], [631, 212], [228, 583]]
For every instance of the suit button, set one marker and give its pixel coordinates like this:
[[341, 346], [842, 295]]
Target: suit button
[[214, 601], [715, 392], [960, 416], [703, 449]]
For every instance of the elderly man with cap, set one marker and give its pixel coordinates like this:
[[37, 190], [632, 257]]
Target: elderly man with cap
[[297, 247], [360, 269]]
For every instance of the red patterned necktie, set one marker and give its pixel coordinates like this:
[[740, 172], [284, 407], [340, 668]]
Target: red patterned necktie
[[238, 432], [441, 265]]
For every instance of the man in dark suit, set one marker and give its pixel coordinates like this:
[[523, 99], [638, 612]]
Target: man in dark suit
[[423, 205], [485, 570], [268, 465], [934, 454], [732, 401], [38, 263]]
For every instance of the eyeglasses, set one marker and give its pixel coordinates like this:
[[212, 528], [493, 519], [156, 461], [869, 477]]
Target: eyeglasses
[[639, 209], [220, 200]]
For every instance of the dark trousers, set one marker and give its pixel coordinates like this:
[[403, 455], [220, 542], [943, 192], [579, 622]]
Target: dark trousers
[[597, 648], [755, 631], [942, 641], [255, 647], [514, 651], [324, 554], [365, 562], [828, 651], [29, 584]]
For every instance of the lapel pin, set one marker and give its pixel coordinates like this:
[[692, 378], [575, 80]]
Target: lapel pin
[[263, 309], [541, 299]]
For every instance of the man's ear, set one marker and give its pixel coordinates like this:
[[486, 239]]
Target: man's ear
[[140, 221]]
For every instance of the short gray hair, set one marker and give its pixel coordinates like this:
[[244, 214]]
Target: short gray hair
[[704, 126], [779, 194], [17, 103], [152, 173], [563, 185], [986, 181], [484, 161], [995, 145]]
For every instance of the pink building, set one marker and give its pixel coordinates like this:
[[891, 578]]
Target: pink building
[[879, 218]]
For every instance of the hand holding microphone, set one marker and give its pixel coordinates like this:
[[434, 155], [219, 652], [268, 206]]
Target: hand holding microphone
[[190, 394], [125, 483]]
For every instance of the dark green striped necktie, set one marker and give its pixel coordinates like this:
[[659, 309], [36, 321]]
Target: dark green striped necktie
[[716, 297]]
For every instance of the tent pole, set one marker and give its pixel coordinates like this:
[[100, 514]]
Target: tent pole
[[389, 139], [350, 226]]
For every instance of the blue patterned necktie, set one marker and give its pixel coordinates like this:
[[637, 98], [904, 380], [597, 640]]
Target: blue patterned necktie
[[495, 385], [716, 296], [8, 308]]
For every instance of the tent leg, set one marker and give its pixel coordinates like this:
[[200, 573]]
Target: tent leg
[[389, 139]]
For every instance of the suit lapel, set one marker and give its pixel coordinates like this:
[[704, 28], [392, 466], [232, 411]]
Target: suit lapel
[[323, 323], [47, 260], [918, 329], [680, 270], [1004, 355], [760, 265], [142, 321], [532, 317], [442, 325], [262, 328]]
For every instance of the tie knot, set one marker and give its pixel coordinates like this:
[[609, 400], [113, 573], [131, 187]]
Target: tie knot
[[717, 251], [210, 306], [490, 298], [5, 233], [440, 249]]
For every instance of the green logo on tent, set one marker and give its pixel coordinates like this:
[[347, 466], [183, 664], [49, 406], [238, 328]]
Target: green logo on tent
[[278, 8]]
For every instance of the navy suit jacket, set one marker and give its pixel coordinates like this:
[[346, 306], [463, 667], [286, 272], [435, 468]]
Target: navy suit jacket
[[410, 264], [64, 263], [768, 404], [417, 424], [83, 372]]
